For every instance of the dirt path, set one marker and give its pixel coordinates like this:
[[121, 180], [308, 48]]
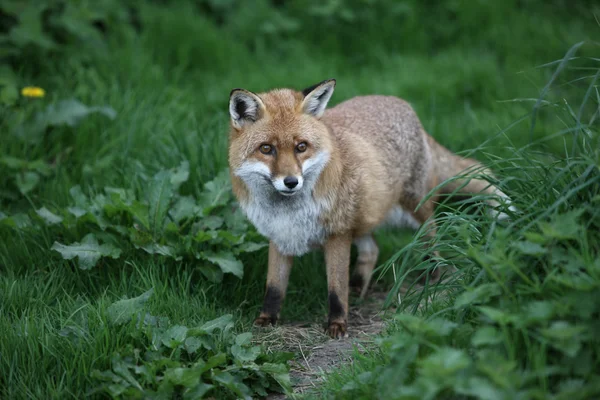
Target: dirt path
[[317, 352]]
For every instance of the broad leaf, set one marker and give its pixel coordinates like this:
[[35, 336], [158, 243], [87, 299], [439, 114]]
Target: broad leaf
[[186, 377], [227, 262], [180, 174], [280, 373], [185, 208], [233, 383], [216, 192], [48, 217], [160, 194], [88, 252], [212, 273], [481, 294], [245, 354], [70, 112], [197, 392], [487, 335], [174, 336], [121, 312], [529, 248], [221, 323], [27, 181]]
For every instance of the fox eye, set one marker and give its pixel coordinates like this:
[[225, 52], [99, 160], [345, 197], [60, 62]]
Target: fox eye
[[266, 148], [301, 147]]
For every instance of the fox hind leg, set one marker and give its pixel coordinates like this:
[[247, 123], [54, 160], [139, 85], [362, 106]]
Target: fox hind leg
[[367, 259]]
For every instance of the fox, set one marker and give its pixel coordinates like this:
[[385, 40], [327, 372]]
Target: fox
[[310, 178]]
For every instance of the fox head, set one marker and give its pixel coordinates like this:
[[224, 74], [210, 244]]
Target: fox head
[[277, 141]]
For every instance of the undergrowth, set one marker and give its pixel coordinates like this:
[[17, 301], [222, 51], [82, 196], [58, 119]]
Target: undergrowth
[[518, 319]]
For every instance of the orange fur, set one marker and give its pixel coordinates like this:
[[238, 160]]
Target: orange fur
[[379, 158]]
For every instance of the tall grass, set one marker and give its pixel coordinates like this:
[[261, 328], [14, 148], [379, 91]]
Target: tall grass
[[518, 318]]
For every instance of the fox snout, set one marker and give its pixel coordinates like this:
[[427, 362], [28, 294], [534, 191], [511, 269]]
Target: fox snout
[[288, 185]]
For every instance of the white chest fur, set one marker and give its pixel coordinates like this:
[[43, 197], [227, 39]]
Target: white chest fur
[[292, 223]]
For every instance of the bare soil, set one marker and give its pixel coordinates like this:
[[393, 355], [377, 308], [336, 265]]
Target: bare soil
[[317, 353]]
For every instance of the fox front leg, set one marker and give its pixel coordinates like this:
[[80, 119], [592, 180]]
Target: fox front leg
[[278, 275], [337, 260]]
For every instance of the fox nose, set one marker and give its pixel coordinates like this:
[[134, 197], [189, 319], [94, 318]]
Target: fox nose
[[290, 181]]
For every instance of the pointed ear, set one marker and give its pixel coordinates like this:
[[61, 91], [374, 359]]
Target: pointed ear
[[316, 97], [244, 107]]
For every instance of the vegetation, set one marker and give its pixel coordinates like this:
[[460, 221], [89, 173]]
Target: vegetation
[[127, 271]]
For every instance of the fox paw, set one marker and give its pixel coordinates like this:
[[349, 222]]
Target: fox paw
[[264, 321], [337, 330]]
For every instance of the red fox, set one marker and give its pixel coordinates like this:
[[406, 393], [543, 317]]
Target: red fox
[[309, 178]]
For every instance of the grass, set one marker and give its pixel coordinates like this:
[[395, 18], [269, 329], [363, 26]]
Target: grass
[[169, 86]]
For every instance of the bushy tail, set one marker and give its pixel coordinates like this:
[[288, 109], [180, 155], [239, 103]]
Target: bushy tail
[[467, 176]]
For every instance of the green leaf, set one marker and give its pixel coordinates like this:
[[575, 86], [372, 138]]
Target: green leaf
[[529, 248], [212, 273], [562, 330], [163, 250], [437, 327], [479, 388], [249, 247], [230, 238], [48, 216], [77, 195], [444, 362], [205, 236], [487, 335], [216, 192], [211, 222], [496, 315], [174, 336], [29, 30], [121, 367], [197, 392], [245, 354], [180, 174], [218, 323], [480, 294], [122, 311], [27, 181], [160, 193], [69, 112], [564, 226], [77, 211], [18, 221], [185, 208], [8, 95], [88, 252], [192, 344], [535, 312], [500, 370], [243, 338], [215, 361], [227, 261], [232, 383], [186, 377], [280, 373]]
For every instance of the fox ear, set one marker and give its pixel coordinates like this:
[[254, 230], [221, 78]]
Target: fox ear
[[316, 97], [244, 107]]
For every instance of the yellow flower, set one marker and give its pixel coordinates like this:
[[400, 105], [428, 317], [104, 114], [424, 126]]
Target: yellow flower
[[33, 91]]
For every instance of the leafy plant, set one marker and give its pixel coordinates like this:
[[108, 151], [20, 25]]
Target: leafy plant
[[174, 360], [162, 222]]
